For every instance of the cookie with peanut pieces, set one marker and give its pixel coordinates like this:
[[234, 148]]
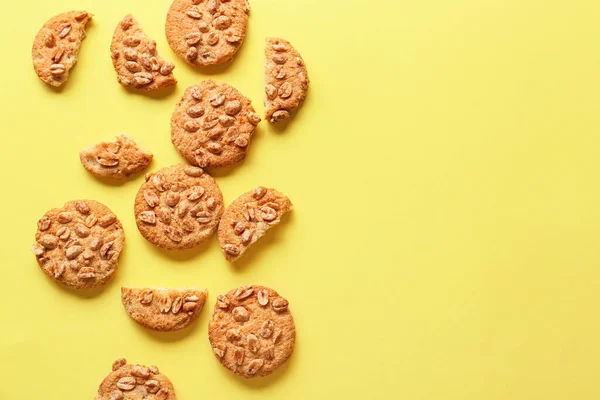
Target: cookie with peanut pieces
[[213, 124], [286, 80], [56, 46], [206, 32], [119, 159], [163, 309], [248, 218], [178, 207], [252, 331], [135, 382], [79, 244], [136, 60]]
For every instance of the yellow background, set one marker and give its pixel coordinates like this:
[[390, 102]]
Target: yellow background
[[444, 173]]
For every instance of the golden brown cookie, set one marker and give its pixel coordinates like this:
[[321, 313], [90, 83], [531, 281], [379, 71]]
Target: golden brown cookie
[[135, 59], [207, 32], [135, 382], [79, 244], [248, 218], [163, 309], [56, 46], [119, 159], [178, 207], [213, 124], [286, 80], [252, 331]]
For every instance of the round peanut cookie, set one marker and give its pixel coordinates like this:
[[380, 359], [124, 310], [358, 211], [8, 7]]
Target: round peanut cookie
[[207, 32], [248, 218], [286, 80], [119, 159], [163, 309], [135, 59], [252, 331], [56, 46], [135, 382], [79, 244], [213, 124], [178, 207]]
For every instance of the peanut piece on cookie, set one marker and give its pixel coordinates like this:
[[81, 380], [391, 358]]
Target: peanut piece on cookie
[[119, 159], [248, 218], [56, 46]]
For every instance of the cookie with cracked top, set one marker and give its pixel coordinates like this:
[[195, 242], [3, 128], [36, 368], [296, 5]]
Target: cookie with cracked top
[[178, 207], [79, 244], [207, 32], [286, 80], [213, 124], [163, 309], [136, 60], [56, 46], [248, 218], [252, 331], [135, 382]]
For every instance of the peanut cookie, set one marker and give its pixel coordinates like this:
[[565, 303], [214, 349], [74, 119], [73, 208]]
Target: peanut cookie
[[135, 59], [286, 80], [252, 331], [117, 160], [248, 218], [178, 207], [212, 124], [207, 32], [56, 46], [135, 382], [163, 309], [79, 244]]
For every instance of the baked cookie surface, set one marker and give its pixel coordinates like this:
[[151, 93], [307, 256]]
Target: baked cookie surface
[[136, 60], [163, 309], [206, 32], [178, 207], [119, 159], [135, 382], [212, 124], [286, 80], [56, 46], [79, 244], [248, 218], [252, 331]]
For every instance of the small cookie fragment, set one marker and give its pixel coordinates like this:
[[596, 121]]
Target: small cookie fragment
[[248, 218], [135, 382], [163, 309], [206, 32], [213, 124], [119, 159], [79, 244], [136, 60], [252, 331], [178, 207], [286, 80], [56, 46]]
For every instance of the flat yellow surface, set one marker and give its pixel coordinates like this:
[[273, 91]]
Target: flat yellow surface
[[444, 170]]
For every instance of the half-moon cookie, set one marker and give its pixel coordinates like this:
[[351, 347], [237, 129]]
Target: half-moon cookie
[[136, 60], [252, 331], [56, 46], [248, 218], [119, 159], [213, 124], [178, 207], [206, 32], [79, 244], [163, 309], [135, 382], [286, 80]]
